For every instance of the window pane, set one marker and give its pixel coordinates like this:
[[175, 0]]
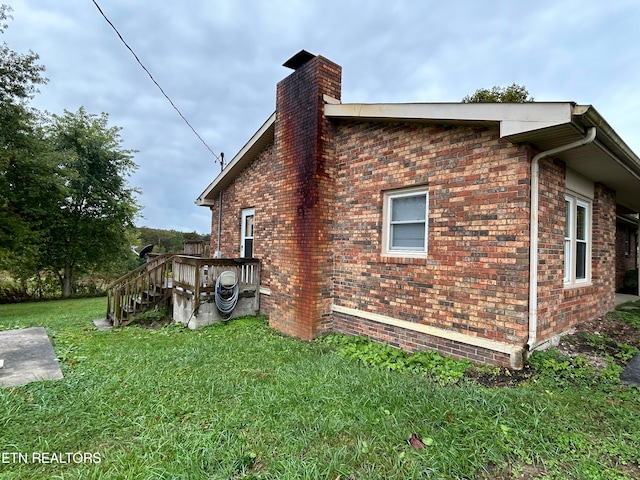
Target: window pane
[[581, 233], [408, 236], [581, 260], [567, 219], [567, 260], [248, 226], [407, 209], [248, 248]]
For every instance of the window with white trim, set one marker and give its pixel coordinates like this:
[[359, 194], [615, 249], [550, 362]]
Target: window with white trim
[[405, 222], [577, 240]]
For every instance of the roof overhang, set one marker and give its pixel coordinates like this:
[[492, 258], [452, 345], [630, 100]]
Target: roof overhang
[[256, 144], [545, 125], [512, 118]]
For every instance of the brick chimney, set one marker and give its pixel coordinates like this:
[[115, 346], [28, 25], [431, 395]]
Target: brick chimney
[[302, 258]]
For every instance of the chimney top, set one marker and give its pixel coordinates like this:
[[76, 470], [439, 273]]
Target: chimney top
[[298, 60]]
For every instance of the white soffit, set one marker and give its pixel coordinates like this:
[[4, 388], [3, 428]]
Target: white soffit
[[514, 118]]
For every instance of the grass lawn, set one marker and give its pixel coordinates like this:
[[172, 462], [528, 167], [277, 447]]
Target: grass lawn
[[239, 400]]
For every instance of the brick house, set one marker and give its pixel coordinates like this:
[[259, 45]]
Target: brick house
[[419, 224]]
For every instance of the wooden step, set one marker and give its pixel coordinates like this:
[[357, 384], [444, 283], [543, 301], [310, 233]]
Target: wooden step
[[152, 294]]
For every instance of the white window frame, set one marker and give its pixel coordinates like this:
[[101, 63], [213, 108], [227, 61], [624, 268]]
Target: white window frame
[[571, 241], [244, 235], [387, 224]]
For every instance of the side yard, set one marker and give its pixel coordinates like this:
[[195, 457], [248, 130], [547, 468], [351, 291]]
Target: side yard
[[238, 400]]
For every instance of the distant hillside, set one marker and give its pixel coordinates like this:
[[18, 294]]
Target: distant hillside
[[168, 241]]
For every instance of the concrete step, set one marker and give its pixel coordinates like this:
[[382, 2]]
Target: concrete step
[[103, 324]]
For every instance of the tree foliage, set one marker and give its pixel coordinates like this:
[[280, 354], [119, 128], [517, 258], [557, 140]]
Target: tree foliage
[[29, 186], [168, 241], [96, 210], [512, 94], [65, 205], [27, 170], [19, 73]]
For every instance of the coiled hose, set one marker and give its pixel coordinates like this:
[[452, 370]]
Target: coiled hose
[[227, 292]]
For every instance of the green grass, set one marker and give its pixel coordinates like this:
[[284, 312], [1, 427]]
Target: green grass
[[239, 400]]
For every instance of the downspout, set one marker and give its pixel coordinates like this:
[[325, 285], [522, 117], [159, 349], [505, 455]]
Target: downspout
[[533, 235]]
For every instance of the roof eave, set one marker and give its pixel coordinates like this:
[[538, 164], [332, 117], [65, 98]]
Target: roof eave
[[246, 155], [512, 118], [608, 159], [544, 124]]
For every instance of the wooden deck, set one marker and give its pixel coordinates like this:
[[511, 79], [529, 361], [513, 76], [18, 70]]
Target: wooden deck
[[184, 281], [194, 285]]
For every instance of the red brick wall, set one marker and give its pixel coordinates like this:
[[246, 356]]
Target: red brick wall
[[249, 190], [318, 196], [290, 186], [551, 199], [474, 279], [560, 308]]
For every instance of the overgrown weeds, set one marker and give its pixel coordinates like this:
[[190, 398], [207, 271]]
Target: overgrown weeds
[[430, 363]]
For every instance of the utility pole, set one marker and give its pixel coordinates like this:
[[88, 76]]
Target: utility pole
[[218, 253]]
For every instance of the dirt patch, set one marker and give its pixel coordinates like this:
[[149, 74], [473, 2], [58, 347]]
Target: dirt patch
[[155, 324], [500, 377], [601, 338], [608, 337]]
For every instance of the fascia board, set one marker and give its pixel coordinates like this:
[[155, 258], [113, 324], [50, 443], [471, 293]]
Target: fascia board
[[238, 162], [513, 118]]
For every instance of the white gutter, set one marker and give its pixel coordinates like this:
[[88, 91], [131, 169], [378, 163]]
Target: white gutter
[[533, 235]]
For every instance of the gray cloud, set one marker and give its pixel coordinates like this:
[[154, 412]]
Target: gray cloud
[[219, 62]]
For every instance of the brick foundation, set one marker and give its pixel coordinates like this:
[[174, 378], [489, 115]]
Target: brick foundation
[[413, 341]]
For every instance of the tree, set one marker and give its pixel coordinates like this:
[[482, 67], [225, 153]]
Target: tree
[[168, 241], [19, 73], [512, 94], [27, 170], [91, 221], [29, 185], [65, 206]]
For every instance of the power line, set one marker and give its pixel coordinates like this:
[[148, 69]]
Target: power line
[[156, 83]]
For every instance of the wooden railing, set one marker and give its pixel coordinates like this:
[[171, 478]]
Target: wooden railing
[[151, 284], [141, 289], [198, 275]]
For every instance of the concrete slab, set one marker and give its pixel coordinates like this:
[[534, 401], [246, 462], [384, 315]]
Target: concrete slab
[[624, 298], [28, 357], [102, 324]]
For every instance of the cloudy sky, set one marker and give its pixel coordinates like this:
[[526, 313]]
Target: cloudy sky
[[219, 61]]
